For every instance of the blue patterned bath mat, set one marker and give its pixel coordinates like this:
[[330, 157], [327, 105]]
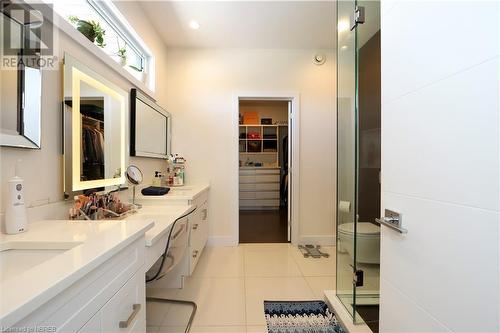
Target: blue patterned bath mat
[[300, 317]]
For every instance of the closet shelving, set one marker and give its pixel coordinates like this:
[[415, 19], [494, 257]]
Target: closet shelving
[[259, 141]]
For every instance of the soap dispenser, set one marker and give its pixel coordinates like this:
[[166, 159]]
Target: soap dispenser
[[16, 220]]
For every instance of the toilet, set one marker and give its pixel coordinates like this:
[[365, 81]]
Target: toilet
[[367, 241]]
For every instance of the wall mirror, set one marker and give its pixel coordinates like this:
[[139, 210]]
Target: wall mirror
[[21, 85], [95, 123], [150, 127]]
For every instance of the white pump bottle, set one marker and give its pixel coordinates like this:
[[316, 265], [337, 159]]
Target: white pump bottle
[[16, 220]]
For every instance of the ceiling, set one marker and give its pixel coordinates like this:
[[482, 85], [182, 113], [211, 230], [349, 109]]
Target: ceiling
[[244, 24]]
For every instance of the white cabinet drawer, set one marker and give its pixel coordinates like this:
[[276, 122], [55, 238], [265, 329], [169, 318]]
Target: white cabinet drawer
[[70, 310], [267, 171], [260, 187], [93, 325], [199, 227], [200, 200], [126, 311], [199, 236], [260, 179], [260, 195], [247, 172], [178, 246]]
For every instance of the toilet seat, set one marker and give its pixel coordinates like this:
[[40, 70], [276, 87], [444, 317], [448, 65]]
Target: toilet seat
[[364, 230]]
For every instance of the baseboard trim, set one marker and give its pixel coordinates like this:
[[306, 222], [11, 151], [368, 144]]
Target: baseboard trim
[[221, 241], [317, 240]]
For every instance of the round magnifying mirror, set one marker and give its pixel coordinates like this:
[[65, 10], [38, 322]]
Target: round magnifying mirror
[[134, 175]]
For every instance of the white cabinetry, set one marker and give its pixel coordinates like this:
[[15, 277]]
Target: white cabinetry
[[101, 299], [199, 234], [197, 224], [259, 188]]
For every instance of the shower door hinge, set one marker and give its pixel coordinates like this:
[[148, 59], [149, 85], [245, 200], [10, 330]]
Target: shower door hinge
[[358, 17], [357, 278]]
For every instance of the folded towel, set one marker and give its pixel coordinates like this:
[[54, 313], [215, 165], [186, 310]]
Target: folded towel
[[155, 190]]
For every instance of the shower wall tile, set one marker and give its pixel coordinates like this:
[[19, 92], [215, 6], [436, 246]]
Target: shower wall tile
[[447, 263], [434, 39], [397, 315], [441, 142]]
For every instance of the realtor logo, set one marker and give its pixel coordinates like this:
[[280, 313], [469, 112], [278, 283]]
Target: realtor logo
[[27, 38]]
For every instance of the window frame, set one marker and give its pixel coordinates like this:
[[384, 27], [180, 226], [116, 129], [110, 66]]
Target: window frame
[[113, 17], [147, 85]]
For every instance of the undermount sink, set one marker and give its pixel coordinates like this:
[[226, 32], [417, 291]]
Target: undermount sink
[[19, 256]]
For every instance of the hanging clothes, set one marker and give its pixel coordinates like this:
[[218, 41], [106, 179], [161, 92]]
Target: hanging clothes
[[92, 152]]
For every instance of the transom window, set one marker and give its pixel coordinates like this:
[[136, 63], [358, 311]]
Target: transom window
[[104, 25]]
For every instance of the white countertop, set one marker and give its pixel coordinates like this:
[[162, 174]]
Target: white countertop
[[72, 249], [163, 217], [182, 193]]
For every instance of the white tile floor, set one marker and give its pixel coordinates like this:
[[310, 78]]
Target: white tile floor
[[230, 284]]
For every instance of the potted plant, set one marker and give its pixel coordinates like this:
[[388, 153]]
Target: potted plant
[[122, 52], [90, 29]]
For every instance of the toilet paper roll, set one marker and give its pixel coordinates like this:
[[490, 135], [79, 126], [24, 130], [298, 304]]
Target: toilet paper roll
[[344, 206]]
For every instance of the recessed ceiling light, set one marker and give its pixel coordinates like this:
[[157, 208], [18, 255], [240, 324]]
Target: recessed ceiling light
[[194, 25]]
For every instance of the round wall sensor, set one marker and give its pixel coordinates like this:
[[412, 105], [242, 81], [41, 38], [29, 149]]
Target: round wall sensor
[[319, 59]]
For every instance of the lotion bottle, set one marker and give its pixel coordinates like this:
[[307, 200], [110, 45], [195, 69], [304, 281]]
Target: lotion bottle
[[16, 220]]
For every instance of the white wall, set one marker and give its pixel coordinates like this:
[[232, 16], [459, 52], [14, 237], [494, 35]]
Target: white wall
[[42, 169], [440, 166], [201, 84]]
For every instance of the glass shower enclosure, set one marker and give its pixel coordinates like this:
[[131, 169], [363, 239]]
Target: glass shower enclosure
[[358, 158]]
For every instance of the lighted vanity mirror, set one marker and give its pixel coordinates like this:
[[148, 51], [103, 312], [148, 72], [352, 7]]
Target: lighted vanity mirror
[[94, 129], [21, 92]]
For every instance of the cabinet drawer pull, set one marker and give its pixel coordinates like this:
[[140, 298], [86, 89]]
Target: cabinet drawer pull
[[195, 226], [205, 214], [135, 310], [195, 253]]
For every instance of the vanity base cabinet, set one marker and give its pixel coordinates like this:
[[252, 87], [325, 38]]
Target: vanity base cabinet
[[199, 235], [100, 299]]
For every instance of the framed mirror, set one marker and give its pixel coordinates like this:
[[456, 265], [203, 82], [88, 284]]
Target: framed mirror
[[150, 127], [95, 123], [21, 85]]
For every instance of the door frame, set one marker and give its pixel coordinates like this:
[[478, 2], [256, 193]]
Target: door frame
[[294, 98]]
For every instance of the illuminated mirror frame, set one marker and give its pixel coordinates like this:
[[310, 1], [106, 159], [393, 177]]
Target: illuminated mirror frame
[[78, 76]]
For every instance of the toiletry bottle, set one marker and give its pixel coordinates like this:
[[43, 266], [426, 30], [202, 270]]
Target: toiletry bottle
[[16, 220], [181, 176]]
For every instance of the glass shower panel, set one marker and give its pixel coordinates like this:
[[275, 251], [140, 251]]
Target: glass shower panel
[[368, 179], [346, 154]]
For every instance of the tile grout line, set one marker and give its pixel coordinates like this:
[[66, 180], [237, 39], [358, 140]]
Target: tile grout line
[[245, 288]]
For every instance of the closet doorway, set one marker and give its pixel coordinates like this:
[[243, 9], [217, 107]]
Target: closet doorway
[[265, 150]]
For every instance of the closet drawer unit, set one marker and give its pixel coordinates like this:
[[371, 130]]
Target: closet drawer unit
[[126, 311], [259, 203], [253, 172], [267, 171], [260, 179], [260, 187], [260, 195]]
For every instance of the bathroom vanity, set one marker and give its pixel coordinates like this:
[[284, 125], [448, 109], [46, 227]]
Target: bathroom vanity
[[75, 276], [193, 196], [89, 276]]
